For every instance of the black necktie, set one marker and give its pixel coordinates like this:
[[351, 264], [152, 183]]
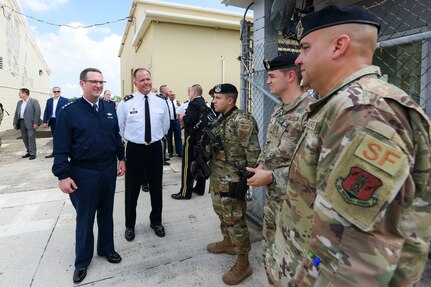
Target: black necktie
[[147, 121], [173, 106], [95, 108]]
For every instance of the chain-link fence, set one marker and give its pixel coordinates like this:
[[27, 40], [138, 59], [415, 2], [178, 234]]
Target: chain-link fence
[[403, 55]]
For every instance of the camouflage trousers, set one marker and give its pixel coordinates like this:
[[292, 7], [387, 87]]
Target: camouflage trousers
[[231, 213], [270, 211]]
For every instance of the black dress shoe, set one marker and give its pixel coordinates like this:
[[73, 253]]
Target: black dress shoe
[[49, 156], [145, 187], [114, 257], [159, 230], [179, 196], [26, 155], [166, 163], [79, 274], [32, 157], [129, 234]]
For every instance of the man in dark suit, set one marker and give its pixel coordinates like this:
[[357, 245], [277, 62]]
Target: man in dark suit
[[191, 134], [27, 118], [52, 111]]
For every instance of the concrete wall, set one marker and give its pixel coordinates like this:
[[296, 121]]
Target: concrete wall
[[181, 45], [22, 63], [207, 56]]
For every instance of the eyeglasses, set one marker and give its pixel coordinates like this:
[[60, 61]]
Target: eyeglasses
[[55, 92], [95, 82]]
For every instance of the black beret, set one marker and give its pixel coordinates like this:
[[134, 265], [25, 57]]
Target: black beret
[[280, 62], [333, 15], [225, 89]]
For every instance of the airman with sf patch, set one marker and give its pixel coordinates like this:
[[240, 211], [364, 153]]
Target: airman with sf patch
[[358, 202]]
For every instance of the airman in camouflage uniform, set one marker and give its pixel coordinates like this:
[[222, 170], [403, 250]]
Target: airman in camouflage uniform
[[239, 148], [357, 209], [284, 130]]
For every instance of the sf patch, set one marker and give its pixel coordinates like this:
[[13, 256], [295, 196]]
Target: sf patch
[[366, 177], [358, 187]]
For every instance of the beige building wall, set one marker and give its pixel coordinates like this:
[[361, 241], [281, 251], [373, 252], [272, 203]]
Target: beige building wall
[[181, 45], [22, 65]]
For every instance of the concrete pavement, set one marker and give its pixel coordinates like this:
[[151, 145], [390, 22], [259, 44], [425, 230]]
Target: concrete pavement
[[37, 224]]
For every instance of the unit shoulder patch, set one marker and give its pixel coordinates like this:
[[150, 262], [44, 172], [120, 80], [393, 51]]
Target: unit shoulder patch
[[358, 187], [366, 177], [244, 132]]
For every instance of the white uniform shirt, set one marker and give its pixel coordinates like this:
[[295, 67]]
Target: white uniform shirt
[[131, 118], [181, 110], [171, 108]]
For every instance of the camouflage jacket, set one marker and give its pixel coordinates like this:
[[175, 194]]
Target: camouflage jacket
[[284, 130], [238, 134], [357, 209]]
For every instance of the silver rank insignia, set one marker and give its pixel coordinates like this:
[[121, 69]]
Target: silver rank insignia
[[299, 30], [217, 89], [266, 64]]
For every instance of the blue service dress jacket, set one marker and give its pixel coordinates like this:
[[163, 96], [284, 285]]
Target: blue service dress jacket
[[49, 106], [85, 137]]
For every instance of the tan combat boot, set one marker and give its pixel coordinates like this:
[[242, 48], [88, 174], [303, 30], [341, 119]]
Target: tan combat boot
[[224, 246], [239, 272]]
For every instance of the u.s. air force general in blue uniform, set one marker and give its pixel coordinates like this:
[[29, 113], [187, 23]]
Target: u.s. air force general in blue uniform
[[87, 145]]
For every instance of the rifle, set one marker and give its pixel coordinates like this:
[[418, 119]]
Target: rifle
[[199, 168]]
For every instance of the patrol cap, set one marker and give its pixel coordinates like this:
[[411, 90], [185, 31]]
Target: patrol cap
[[280, 62], [333, 15], [225, 89]]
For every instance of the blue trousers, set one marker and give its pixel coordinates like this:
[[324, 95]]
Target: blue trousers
[[95, 194], [175, 130]]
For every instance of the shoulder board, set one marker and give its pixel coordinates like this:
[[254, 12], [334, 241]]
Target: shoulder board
[[68, 104], [126, 98]]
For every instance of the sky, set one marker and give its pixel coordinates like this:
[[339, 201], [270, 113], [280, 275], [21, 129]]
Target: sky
[[68, 51]]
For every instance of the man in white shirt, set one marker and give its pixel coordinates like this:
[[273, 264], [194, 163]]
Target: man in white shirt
[[175, 128], [143, 120]]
